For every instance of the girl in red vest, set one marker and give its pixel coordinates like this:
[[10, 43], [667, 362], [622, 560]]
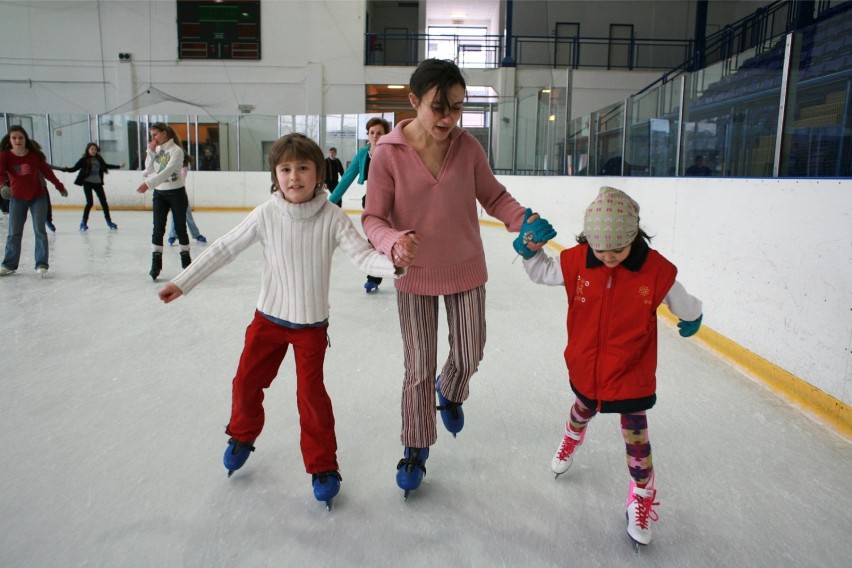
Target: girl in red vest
[[615, 283]]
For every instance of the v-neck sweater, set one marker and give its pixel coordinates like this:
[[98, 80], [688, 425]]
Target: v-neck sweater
[[404, 197]]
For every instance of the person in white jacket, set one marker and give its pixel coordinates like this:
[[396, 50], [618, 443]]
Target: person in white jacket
[[163, 163], [299, 230]]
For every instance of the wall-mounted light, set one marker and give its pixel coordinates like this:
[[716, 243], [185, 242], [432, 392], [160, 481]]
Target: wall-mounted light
[[125, 57], [396, 86]]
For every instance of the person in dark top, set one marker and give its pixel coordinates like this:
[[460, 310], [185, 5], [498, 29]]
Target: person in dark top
[[333, 169], [698, 169]]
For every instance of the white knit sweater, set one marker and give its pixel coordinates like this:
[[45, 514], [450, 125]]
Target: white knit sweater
[[298, 243], [162, 168]]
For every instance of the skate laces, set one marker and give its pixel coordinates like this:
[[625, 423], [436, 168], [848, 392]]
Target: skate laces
[[645, 508], [567, 447]]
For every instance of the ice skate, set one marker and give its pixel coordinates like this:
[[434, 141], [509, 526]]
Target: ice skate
[[6, 271], [172, 241], [452, 414], [42, 271], [156, 265], [201, 239], [411, 469], [83, 227], [640, 512], [236, 455], [50, 226], [112, 226], [184, 259], [370, 287], [326, 486], [564, 457]]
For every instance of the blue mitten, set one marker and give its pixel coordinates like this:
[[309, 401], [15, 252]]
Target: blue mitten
[[689, 328], [539, 231]]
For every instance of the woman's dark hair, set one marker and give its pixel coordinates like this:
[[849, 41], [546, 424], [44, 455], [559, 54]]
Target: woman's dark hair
[[31, 145], [441, 73], [89, 145], [295, 146], [163, 127], [374, 121]]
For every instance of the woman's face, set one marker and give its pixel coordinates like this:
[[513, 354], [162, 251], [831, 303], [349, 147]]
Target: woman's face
[[429, 115], [18, 141], [92, 150], [159, 136], [374, 133]]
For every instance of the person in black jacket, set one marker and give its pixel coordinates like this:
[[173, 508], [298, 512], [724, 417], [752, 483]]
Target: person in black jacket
[[92, 168]]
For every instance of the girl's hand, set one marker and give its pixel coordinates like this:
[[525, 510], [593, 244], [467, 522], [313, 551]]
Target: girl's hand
[[142, 188], [170, 292], [152, 145], [404, 250]]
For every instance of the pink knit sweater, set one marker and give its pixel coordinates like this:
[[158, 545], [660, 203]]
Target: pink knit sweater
[[402, 196]]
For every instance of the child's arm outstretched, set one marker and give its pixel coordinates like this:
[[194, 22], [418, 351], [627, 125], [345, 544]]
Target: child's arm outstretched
[[686, 307]]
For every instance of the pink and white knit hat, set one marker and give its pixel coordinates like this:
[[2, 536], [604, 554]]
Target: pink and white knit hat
[[611, 220]]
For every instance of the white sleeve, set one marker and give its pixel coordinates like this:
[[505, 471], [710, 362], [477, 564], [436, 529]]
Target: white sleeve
[[682, 304], [544, 269], [360, 252], [223, 251]]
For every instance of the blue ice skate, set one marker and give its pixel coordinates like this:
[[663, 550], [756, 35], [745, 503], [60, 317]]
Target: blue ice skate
[[326, 486], [451, 412], [370, 286], [411, 469], [236, 454]]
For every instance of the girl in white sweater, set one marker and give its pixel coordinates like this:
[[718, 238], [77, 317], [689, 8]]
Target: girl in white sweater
[[299, 230]]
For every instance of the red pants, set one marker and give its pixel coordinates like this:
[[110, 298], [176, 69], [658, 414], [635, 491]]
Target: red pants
[[265, 348]]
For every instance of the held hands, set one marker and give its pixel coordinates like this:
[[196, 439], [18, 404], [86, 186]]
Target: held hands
[[689, 328], [63, 192], [169, 292], [535, 232], [404, 249]]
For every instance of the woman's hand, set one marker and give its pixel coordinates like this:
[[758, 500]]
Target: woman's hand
[[142, 188], [152, 145], [404, 250], [170, 292]]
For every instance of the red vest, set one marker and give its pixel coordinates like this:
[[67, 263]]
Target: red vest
[[612, 326]]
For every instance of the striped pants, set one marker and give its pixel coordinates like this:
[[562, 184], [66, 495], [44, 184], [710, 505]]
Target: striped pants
[[418, 321]]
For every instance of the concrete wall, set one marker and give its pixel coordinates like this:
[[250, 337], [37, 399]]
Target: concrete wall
[[771, 259]]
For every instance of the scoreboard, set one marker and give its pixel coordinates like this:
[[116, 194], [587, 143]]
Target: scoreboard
[[218, 29]]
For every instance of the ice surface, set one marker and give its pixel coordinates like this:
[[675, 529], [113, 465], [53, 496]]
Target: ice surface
[[114, 407]]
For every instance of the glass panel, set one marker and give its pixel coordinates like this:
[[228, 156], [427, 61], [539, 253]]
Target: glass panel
[[115, 134], [609, 127], [652, 135], [257, 134], [817, 140], [730, 124], [69, 135], [577, 147]]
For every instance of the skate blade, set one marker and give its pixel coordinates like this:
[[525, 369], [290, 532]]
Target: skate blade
[[405, 495], [328, 504], [230, 472]]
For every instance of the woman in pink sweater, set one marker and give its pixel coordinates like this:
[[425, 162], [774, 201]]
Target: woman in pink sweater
[[427, 178]]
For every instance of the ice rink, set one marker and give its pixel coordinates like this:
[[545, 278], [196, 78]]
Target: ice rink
[[114, 407]]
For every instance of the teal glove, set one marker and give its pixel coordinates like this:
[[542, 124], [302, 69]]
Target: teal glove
[[689, 328], [539, 231]]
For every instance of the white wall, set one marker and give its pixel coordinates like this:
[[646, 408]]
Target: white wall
[[771, 259]]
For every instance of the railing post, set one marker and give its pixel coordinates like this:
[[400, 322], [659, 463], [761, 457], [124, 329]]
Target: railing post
[[508, 61]]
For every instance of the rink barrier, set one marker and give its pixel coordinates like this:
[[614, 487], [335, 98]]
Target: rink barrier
[[814, 402], [811, 400]]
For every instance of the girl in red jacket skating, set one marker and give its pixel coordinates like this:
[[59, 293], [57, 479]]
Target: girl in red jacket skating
[[615, 283]]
